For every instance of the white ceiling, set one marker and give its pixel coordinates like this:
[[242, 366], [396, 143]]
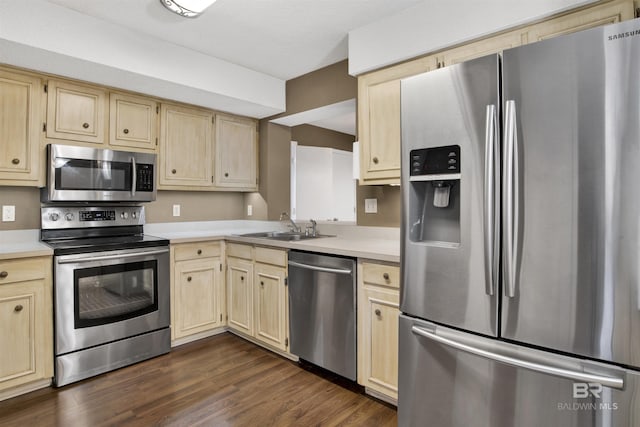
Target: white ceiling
[[280, 38]]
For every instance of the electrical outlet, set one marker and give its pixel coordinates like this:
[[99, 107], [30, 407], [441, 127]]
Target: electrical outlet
[[176, 210], [370, 205], [8, 213], [249, 210]]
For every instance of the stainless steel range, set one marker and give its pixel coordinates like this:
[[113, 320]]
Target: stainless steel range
[[111, 289]]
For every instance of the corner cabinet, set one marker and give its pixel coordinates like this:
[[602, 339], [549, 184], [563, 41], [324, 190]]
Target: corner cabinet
[[257, 295], [21, 118], [197, 291], [236, 153], [379, 91], [26, 325], [77, 112], [378, 314], [186, 148]]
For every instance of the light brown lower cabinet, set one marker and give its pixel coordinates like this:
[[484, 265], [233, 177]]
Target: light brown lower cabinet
[[257, 294], [198, 291], [378, 314], [26, 325]]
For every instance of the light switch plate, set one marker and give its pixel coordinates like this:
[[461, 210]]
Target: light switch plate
[[249, 210], [176, 210], [8, 213], [370, 205]]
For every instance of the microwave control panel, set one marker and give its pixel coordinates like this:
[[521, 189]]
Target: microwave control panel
[[435, 161], [144, 177]]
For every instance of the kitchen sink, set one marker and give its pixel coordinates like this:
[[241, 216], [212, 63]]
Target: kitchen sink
[[283, 235]]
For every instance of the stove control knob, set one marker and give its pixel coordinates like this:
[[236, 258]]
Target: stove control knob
[[54, 216], [124, 215], [68, 216], [134, 215]]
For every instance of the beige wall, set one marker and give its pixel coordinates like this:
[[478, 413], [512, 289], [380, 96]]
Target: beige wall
[[27, 203], [389, 205], [195, 206]]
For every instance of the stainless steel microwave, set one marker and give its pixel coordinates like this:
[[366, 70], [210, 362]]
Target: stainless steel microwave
[[84, 174]]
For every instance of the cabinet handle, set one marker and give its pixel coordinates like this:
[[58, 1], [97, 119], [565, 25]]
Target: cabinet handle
[[386, 276], [125, 131], [3, 274], [262, 283], [85, 125], [188, 278], [199, 251], [378, 313], [375, 160], [18, 308], [15, 161], [242, 278], [226, 174], [173, 171]]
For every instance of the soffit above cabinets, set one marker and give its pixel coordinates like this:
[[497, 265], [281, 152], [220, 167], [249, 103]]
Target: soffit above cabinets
[[340, 117]]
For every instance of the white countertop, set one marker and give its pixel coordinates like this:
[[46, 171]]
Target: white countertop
[[22, 244], [375, 243], [382, 244]]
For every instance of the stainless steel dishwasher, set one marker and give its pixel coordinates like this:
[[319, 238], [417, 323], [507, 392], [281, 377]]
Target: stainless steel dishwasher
[[322, 311]]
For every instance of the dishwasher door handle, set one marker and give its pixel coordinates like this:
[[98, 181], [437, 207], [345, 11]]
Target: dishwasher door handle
[[318, 268]]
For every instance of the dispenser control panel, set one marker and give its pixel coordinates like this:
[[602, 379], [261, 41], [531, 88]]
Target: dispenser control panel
[[435, 161]]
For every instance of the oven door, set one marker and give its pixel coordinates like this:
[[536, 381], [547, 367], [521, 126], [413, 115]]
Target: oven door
[[106, 296], [91, 174]]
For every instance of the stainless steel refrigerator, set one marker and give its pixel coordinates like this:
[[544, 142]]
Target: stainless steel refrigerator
[[521, 237]]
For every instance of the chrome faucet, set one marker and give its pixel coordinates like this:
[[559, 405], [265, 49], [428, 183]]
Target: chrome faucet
[[313, 228], [294, 227]]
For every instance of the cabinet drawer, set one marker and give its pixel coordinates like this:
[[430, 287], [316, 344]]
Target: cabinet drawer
[[21, 270], [239, 251], [381, 274], [271, 256], [197, 250]]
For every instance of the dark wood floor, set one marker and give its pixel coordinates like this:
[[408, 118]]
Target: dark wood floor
[[219, 381]]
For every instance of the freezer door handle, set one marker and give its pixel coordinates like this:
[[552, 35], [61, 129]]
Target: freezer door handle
[[573, 375], [511, 198], [490, 190]]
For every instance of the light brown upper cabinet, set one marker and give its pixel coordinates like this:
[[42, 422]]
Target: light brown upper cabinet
[[379, 120], [133, 122], [379, 91], [21, 118], [186, 148], [77, 112], [236, 163]]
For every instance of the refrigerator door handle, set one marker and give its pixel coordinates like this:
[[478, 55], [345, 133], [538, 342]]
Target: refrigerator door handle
[[511, 198], [490, 211], [574, 375]]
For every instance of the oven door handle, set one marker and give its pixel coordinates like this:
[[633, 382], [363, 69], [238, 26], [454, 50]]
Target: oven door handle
[[109, 257], [134, 180]]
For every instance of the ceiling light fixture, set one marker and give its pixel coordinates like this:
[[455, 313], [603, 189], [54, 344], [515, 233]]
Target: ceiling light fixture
[[187, 8]]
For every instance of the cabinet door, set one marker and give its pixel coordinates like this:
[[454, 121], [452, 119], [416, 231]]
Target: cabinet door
[[76, 112], [270, 305], [26, 350], [20, 124], [185, 147], [379, 120], [133, 122], [236, 152], [240, 295], [607, 13], [378, 340], [198, 305]]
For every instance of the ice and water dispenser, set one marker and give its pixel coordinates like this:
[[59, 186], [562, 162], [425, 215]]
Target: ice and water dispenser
[[435, 195]]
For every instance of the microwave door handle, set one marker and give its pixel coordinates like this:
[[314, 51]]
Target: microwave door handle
[[544, 368], [134, 181]]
